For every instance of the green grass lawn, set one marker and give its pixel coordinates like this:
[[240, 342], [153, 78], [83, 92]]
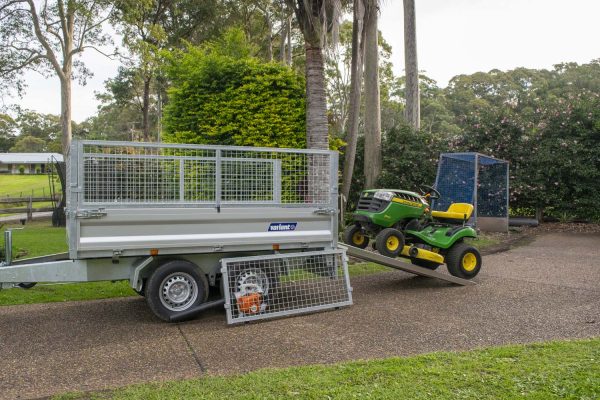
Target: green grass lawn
[[554, 370], [40, 238], [25, 185]]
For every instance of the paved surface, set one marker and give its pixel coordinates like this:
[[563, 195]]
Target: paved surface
[[549, 289]]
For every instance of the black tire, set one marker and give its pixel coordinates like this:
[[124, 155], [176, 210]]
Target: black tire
[[162, 301], [463, 261], [354, 236], [27, 285], [390, 242], [425, 264]]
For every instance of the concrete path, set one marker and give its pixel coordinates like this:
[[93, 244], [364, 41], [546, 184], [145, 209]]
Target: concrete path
[[547, 290], [19, 217]]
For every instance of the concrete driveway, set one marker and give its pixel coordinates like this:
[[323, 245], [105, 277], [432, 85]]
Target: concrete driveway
[[547, 290]]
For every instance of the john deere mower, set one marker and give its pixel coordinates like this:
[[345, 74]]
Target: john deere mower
[[401, 223]]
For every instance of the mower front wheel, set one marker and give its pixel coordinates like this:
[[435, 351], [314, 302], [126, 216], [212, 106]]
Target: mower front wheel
[[463, 261], [354, 236], [390, 242]]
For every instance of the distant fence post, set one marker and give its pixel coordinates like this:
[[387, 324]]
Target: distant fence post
[[30, 210]]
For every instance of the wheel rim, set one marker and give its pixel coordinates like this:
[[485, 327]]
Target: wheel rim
[[178, 291], [392, 243], [358, 238], [253, 278], [469, 262]]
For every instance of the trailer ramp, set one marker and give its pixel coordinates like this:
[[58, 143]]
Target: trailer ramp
[[402, 266]]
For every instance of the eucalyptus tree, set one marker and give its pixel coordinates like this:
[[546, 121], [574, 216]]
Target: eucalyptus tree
[[316, 19], [412, 110], [47, 37], [372, 167], [356, 70]]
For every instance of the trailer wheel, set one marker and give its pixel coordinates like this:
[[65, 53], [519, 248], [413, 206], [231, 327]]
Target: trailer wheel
[[463, 261], [27, 285], [390, 242], [354, 236], [175, 286]]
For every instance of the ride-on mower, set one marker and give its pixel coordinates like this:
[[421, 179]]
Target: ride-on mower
[[403, 224]]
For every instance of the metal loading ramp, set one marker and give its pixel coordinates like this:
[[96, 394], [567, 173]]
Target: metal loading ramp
[[402, 266]]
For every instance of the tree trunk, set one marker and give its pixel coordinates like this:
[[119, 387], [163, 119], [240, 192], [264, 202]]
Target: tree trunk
[[372, 107], [269, 38], [146, 110], [316, 104], [413, 107], [65, 113], [283, 38], [289, 40], [355, 91]]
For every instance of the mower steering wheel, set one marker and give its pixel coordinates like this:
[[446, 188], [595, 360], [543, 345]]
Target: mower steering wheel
[[430, 193]]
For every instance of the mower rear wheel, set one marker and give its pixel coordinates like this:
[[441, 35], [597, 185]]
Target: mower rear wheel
[[463, 261], [354, 236], [390, 242], [425, 264]]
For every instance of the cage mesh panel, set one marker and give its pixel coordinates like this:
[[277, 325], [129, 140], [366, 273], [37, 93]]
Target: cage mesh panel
[[281, 285], [170, 174], [492, 190], [455, 182]]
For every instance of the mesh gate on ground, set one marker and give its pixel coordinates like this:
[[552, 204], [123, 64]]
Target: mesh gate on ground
[[279, 285], [476, 179]]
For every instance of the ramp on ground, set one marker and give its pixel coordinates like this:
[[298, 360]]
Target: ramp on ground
[[402, 266]]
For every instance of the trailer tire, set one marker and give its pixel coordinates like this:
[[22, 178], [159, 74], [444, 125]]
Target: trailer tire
[[174, 287], [463, 261], [27, 285], [390, 242]]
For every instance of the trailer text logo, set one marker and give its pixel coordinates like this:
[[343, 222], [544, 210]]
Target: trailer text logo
[[282, 226]]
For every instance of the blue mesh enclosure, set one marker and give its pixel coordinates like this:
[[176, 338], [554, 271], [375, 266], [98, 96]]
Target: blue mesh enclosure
[[456, 177], [492, 188]]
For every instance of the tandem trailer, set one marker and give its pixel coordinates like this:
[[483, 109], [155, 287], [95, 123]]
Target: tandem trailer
[[257, 226]]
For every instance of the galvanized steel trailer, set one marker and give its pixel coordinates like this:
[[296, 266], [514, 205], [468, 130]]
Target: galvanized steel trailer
[[163, 216]]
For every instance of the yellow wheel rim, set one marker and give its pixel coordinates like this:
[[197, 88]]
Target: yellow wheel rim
[[469, 262], [392, 243], [358, 238]]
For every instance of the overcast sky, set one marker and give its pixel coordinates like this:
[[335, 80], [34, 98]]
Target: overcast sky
[[454, 37]]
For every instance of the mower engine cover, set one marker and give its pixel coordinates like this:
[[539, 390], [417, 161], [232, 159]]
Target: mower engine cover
[[385, 207]]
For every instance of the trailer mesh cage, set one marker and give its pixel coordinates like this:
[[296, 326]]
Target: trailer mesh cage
[[278, 285], [166, 174]]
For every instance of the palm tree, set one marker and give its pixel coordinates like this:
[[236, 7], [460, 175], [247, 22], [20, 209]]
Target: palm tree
[[316, 18]]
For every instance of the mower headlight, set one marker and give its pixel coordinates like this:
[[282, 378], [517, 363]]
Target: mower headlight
[[387, 196]]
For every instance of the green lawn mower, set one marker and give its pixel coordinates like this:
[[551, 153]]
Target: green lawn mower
[[402, 224]]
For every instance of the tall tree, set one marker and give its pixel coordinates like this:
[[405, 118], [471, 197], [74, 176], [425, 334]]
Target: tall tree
[[316, 18], [48, 40], [372, 99], [356, 71], [413, 106]]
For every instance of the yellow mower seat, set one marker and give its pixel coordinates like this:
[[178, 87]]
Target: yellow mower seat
[[456, 212]]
